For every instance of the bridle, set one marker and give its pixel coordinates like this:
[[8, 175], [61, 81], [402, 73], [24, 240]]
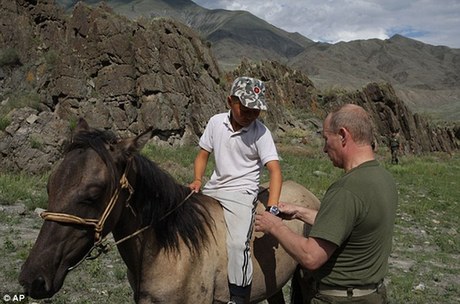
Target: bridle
[[97, 224]]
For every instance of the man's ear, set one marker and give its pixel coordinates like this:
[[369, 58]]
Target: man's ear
[[343, 134]]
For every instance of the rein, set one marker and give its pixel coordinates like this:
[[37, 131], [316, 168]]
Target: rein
[[98, 224]]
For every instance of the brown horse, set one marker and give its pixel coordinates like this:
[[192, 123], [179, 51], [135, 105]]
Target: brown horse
[[173, 243]]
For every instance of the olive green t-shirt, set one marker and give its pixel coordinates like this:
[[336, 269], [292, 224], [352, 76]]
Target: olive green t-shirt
[[357, 214]]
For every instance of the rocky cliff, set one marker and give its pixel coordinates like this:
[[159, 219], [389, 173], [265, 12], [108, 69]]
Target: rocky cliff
[[126, 75], [426, 77], [118, 74], [292, 90]]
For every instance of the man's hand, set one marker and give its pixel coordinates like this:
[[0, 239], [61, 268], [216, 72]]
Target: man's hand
[[266, 221], [291, 212], [287, 211]]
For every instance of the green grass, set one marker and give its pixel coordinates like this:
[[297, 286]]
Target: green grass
[[4, 123], [425, 263], [313, 171], [17, 100], [177, 161], [427, 230], [28, 189]]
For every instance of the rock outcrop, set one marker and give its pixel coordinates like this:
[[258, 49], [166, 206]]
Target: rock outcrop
[[118, 74], [291, 89], [390, 115], [126, 76]]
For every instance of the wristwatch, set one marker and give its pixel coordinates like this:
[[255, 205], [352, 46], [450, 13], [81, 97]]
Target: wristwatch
[[273, 210]]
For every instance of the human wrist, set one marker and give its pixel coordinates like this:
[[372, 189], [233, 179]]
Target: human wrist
[[273, 209], [277, 228]]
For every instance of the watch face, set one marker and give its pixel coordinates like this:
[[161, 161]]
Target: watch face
[[274, 210]]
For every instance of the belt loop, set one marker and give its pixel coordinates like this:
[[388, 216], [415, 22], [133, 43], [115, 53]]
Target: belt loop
[[349, 292]]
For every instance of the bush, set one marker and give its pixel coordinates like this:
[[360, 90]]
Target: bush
[[4, 123], [20, 100], [9, 57]]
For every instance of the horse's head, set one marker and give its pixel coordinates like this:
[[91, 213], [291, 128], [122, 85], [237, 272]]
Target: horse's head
[[86, 194]]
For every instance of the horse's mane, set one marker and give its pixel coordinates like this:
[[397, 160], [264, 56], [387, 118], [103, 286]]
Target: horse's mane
[[158, 198], [164, 208]]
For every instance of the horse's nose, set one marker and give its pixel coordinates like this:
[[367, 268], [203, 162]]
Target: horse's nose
[[39, 283], [38, 289]]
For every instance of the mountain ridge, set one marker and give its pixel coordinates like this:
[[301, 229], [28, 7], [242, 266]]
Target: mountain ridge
[[427, 77], [130, 75]]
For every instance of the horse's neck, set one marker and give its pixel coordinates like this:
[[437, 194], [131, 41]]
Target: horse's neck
[[136, 247], [131, 248]]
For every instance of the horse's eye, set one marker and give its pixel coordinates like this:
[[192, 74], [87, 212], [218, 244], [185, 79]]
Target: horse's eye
[[92, 195], [87, 201]]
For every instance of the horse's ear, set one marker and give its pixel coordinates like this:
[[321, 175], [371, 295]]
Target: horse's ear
[[82, 125], [143, 138], [135, 144]]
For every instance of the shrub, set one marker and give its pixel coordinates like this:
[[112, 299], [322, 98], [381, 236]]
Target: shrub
[[9, 57], [4, 123]]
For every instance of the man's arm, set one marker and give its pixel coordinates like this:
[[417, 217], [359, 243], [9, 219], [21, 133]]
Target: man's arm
[[292, 211], [310, 252]]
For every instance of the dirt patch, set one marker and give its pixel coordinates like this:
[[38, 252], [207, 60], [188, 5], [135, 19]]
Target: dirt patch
[[104, 279]]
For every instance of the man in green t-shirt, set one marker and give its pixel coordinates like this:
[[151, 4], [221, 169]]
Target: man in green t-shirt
[[350, 240], [394, 147]]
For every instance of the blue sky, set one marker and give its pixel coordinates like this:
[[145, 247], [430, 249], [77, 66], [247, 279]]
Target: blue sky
[[436, 22]]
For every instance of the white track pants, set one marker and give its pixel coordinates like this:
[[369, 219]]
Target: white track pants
[[239, 210]]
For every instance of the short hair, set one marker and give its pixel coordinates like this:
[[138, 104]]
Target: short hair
[[356, 120], [235, 99]]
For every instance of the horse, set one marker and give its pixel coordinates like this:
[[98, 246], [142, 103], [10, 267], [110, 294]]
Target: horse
[[173, 241]]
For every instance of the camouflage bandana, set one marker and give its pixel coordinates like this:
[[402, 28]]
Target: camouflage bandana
[[251, 92]]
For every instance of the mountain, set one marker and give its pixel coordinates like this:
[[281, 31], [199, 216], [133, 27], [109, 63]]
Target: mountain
[[233, 34], [129, 75], [427, 77]]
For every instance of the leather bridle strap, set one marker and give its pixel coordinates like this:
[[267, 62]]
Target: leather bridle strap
[[97, 224]]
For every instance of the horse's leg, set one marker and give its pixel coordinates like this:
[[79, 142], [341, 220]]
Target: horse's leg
[[296, 291], [134, 283], [302, 287], [277, 298]]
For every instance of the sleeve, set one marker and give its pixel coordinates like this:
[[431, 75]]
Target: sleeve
[[266, 147], [206, 140]]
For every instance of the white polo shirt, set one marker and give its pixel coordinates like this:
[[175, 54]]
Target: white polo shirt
[[240, 156]]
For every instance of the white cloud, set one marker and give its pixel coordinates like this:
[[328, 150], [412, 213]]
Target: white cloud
[[434, 22]]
